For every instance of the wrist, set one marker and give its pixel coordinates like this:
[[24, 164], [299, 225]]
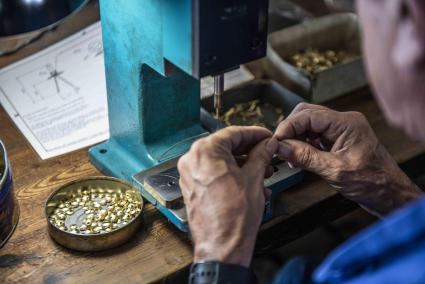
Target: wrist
[[395, 190], [390, 199], [239, 254]]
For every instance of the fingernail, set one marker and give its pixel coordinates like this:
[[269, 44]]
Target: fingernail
[[284, 150], [290, 165], [272, 146]]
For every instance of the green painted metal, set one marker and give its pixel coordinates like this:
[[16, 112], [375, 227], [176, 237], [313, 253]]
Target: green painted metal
[[154, 106]]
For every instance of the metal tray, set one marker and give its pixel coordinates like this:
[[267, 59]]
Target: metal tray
[[284, 13], [336, 32], [266, 90], [98, 241], [9, 209]]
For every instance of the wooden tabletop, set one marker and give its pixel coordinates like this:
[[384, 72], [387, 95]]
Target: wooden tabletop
[[159, 249]]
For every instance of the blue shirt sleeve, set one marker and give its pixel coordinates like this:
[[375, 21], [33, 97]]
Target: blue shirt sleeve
[[391, 251]]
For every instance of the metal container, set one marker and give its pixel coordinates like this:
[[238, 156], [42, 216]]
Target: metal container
[[284, 13], [264, 90], [23, 21], [334, 32], [91, 242], [9, 209]]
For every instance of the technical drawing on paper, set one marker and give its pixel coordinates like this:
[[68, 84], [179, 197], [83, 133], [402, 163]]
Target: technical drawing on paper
[[55, 79], [57, 96]]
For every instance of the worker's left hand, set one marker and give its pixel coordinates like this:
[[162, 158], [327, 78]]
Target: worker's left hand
[[225, 201], [342, 148]]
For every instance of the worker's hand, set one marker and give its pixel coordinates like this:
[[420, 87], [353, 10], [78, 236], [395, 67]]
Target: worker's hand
[[225, 201], [342, 148]]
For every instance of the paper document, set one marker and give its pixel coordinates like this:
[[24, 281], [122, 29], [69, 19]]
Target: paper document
[[57, 97]]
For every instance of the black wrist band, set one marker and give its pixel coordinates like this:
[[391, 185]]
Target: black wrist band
[[214, 272]]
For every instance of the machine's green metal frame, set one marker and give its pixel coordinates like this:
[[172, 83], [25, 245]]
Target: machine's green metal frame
[[153, 102], [143, 88]]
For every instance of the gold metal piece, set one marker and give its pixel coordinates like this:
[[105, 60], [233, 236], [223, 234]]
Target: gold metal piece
[[254, 112], [313, 61]]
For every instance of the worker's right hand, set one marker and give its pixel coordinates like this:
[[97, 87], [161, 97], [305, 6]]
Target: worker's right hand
[[342, 148], [224, 198]]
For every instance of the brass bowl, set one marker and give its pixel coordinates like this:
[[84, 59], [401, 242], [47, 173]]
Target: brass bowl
[[92, 242]]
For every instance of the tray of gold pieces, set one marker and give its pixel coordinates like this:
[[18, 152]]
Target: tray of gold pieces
[[94, 213], [319, 67], [254, 113], [312, 61]]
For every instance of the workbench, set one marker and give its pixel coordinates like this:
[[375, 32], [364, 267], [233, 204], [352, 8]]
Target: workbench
[[159, 249]]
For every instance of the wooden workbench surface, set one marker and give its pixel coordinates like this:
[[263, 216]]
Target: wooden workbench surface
[[158, 249]]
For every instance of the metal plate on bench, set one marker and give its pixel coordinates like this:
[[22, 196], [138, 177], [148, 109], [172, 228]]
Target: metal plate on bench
[[164, 187]]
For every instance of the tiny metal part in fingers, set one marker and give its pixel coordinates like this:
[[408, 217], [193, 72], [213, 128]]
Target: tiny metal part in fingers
[[218, 92]]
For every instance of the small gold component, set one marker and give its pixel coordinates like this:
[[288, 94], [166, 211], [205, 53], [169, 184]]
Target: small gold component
[[61, 216], [113, 218], [106, 225], [100, 217]]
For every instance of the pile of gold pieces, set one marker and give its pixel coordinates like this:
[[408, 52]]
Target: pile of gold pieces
[[313, 61], [104, 210], [251, 114]]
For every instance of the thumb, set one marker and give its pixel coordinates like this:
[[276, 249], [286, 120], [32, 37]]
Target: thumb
[[305, 156], [261, 156]]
